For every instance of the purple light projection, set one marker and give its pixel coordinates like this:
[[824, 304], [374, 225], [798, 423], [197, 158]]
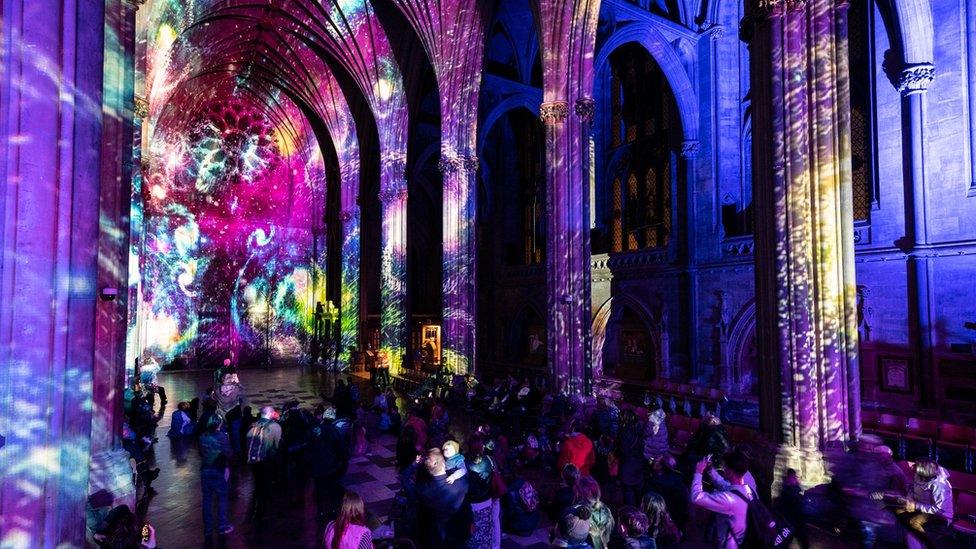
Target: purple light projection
[[567, 37], [458, 71], [805, 292], [232, 200]]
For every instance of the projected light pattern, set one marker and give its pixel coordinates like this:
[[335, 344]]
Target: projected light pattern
[[229, 261], [458, 72], [191, 40]]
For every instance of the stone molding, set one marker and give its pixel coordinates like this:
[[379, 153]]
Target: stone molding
[[449, 163], [586, 109], [690, 148], [552, 112], [776, 8], [393, 193], [915, 78]]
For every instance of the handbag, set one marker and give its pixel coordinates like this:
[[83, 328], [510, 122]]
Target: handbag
[[496, 486]]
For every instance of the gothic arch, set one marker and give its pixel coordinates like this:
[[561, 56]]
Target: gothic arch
[[647, 35], [608, 313], [742, 334], [516, 333], [527, 99]]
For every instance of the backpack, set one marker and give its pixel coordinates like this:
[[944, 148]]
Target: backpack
[[529, 497], [256, 449], [764, 527]]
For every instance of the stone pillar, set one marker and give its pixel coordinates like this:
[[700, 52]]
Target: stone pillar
[[585, 111], [393, 267], [805, 290], [687, 225], [568, 249], [110, 468], [349, 298], [50, 119], [460, 173], [913, 82]]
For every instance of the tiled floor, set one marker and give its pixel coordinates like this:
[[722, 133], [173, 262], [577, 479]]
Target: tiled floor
[[175, 510]]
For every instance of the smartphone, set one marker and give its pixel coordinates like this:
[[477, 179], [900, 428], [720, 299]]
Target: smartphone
[[145, 533]]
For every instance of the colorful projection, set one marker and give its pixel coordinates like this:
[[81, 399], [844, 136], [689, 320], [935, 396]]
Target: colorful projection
[[210, 40], [230, 264]]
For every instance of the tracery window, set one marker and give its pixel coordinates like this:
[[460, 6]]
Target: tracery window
[[639, 154], [860, 57]]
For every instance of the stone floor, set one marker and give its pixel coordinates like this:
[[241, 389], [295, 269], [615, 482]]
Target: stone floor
[[175, 510]]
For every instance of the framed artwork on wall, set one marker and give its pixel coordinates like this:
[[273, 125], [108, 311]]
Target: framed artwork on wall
[[895, 374]]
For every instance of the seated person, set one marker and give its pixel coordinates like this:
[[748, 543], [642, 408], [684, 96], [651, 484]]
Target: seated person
[[454, 461], [927, 510]]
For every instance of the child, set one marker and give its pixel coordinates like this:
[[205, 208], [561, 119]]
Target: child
[[454, 461]]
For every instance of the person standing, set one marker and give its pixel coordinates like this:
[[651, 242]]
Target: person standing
[[262, 450], [349, 530], [442, 504], [215, 453], [330, 454]]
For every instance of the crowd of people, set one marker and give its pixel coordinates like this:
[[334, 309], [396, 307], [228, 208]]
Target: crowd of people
[[523, 458]]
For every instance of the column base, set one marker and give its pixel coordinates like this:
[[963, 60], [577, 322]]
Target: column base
[[810, 467], [110, 484]]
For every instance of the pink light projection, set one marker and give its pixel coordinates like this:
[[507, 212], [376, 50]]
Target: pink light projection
[[306, 34]]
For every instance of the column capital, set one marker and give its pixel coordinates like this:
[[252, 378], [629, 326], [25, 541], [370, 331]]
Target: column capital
[[586, 109], [690, 148], [141, 107], [915, 78], [392, 193], [777, 8], [448, 164], [470, 163], [134, 4], [552, 112]]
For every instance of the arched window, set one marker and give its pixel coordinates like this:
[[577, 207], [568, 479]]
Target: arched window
[[860, 51], [638, 152]]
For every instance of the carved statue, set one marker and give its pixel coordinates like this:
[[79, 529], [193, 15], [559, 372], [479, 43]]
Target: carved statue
[[724, 311]]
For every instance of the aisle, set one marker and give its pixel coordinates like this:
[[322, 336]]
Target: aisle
[[175, 511]]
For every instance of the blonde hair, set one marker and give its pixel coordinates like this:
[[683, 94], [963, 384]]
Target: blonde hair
[[452, 444]]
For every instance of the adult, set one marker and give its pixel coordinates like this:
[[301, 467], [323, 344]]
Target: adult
[[349, 530], [655, 436], [732, 507], [485, 509], [215, 454], [601, 520], [180, 424], [564, 494], [633, 529], [263, 440], [660, 526], [710, 439], [330, 457], [927, 510], [577, 449], [441, 505], [667, 481], [630, 453]]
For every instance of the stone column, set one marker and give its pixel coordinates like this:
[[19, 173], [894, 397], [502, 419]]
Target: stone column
[[51, 120], [393, 267], [805, 291], [687, 225], [349, 298], [913, 83], [459, 278], [110, 468], [568, 249]]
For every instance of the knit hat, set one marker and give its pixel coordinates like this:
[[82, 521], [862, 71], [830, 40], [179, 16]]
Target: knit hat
[[575, 524]]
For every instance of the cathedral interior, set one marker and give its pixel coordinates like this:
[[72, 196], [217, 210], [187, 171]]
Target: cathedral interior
[[758, 207]]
